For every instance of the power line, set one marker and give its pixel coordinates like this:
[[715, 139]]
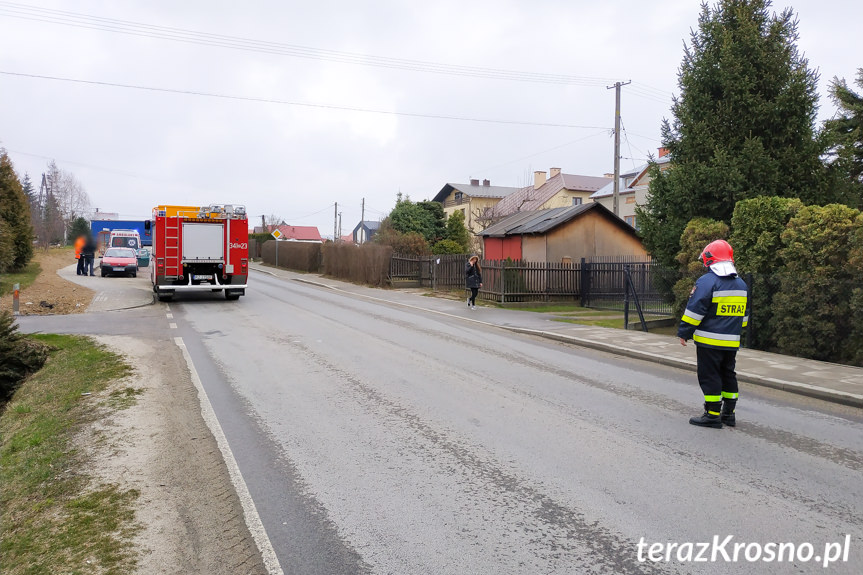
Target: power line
[[108, 170], [87, 21], [326, 209], [604, 131], [289, 103], [302, 104], [126, 27]]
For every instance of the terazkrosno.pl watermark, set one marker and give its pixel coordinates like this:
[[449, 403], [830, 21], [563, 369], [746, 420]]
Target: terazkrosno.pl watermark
[[729, 551]]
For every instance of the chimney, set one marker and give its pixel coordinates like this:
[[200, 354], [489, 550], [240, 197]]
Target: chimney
[[486, 183], [553, 172], [474, 182], [538, 179], [663, 151]]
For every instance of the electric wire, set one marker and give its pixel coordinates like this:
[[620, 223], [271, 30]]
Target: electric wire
[[301, 104], [86, 21], [329, 207], [78, 20], [507, 163]]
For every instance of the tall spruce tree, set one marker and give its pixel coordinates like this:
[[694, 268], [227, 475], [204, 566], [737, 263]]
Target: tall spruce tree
[[16, 233], [743, 123], [844, 139]]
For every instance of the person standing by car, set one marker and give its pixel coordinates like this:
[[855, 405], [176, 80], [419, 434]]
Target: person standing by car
[[88, 252], [79, 243], [473, 279]]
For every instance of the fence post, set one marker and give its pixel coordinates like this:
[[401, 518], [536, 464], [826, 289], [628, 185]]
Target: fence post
[[626, 304], [629, 285], [585, 283]]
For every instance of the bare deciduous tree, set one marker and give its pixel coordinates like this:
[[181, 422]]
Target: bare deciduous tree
[[72, 199]]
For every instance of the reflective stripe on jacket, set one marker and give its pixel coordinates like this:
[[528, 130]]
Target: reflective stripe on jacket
[[716, 312]]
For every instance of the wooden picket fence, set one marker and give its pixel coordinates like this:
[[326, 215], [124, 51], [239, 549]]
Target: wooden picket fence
[[598, 283]]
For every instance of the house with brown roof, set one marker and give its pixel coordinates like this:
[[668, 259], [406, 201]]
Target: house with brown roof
[[561, 235], [555, 190]]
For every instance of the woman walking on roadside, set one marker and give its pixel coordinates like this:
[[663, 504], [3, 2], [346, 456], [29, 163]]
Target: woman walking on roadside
[[473, 279]]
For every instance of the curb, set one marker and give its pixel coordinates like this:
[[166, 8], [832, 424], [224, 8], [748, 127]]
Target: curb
[[805, 389]]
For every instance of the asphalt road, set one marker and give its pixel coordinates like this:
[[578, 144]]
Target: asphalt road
[[376, 438]]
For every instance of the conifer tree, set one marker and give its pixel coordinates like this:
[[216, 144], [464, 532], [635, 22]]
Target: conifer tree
[[844, 139], [457, 232], [16, 232], [743, 124]]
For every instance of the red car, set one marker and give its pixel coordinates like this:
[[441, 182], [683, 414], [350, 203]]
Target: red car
[[119, 261]]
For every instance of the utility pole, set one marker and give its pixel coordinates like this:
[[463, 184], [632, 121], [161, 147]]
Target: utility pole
[[361, 236], [340, 226], [616, 87], [335, 222]]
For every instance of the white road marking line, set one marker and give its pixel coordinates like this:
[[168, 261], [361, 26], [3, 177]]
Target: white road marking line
[[169, 315], [172, 325], [253, 520]]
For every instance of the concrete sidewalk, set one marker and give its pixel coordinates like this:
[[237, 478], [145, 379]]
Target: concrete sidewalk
[[832, 382]]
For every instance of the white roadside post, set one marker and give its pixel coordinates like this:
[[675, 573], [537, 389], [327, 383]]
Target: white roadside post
[[15, 289]]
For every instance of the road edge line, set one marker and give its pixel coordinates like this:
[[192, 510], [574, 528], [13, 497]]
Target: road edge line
[[250, 512]]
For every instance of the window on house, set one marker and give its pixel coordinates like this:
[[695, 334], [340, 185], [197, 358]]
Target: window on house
[[576, 201], [630, 220], [458, 196]]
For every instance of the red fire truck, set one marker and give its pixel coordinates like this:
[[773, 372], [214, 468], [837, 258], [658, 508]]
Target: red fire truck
[[199, 249]]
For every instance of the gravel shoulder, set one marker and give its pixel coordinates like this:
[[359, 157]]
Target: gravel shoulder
[[161, 446], [191, 516]]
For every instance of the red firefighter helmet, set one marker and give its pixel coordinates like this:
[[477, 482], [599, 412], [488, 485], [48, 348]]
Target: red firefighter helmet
[[717, 251]]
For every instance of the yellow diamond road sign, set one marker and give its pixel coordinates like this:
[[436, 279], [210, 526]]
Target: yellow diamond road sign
[[277, 234]]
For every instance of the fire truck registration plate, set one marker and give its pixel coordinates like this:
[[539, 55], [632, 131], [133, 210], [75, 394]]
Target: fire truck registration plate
[[202, 277]]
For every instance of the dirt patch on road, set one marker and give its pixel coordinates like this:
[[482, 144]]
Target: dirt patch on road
[[51, 294]]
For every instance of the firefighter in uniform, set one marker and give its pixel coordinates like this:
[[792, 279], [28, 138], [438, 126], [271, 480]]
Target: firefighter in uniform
[[714, 317]]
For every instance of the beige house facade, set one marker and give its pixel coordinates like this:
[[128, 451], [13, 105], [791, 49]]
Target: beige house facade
[[632, 191], [562, 235], [475, 201]]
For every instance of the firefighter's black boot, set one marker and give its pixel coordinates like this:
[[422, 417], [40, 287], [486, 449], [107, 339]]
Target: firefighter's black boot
[[710, 417], [727, 413]]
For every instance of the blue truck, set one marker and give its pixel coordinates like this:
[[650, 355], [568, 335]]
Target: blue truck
[[97, 226]]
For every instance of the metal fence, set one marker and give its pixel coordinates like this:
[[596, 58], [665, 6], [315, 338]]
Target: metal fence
[[604, 284], [597, 282]]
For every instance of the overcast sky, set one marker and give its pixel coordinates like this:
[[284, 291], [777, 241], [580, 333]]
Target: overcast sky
[[291, 107]]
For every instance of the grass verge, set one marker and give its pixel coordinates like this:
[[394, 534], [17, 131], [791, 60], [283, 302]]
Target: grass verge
[[25, 277], [57, 518]]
